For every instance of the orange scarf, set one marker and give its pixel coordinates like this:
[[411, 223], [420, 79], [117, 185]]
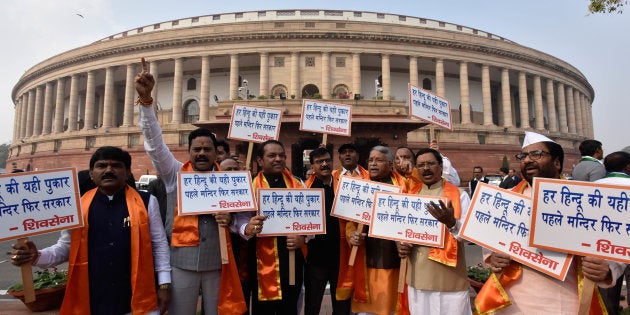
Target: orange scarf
[[493, 296], [144, 296], [186, 233], [352, 280], [267, 257]]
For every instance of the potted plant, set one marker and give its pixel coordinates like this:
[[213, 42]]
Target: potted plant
[[477, 276], [50, 287]]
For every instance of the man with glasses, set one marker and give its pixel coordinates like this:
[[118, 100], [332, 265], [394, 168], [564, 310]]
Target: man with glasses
[[477, 178], [322, 262], [377, 263], [437, 281], [530, 291]]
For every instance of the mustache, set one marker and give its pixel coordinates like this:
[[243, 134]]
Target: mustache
[[109, 176], [427, 173], [202, 159]]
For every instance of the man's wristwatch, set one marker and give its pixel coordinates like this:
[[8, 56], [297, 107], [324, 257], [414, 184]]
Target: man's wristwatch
[[165, 286]]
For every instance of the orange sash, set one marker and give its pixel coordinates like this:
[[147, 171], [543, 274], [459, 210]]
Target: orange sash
[[352, 280], [267, 258], [144, 296], [493, 296], [185, 227], [186, 233]]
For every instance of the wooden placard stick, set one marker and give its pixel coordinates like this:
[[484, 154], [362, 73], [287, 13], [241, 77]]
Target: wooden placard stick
[[248, 163], [292, 267], [402, 275], [325, 139], [353, 252], [223, 245], [27, 277]]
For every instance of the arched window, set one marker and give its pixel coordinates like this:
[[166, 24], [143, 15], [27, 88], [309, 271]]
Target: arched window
[[191, 85], [426, 84], [278, 90], [309, 90], [191, 111], [341, 91]]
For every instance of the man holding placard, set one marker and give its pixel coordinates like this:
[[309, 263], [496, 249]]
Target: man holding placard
[[436, 277], [268, 258], [529, 291], [381, 263], [322, 263], [195, 250], [113, 258]]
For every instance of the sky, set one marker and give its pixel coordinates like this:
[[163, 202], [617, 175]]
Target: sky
[[34, 30]]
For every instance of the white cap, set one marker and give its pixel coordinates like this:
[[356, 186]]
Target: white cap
[[532, 137]]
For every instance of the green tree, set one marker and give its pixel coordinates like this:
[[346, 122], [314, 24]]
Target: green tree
[[4, 154], [505, 163], [607, 6]]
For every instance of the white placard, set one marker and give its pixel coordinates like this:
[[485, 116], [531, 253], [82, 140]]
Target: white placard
[[405, 218], [354, 198], [500, 220], [329, 118], [582, 218], [430, 107], [292, 211], [254, 123], [200, 193], [41, 202]]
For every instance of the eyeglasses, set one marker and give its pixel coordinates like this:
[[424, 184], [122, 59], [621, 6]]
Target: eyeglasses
[[427, 164], [533, 155], [322, 161]]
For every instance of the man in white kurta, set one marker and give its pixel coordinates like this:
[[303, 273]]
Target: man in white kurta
[[534, 292]]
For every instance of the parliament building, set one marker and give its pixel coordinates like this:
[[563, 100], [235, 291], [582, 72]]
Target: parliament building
[[70, 104]]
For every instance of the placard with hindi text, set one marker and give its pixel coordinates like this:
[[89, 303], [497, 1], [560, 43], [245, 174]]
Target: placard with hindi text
[[254, 123], [39, 202], [430, 107], [405, 218], [329, 118], [292, 211], [582, 218], [354, 198], [209, 192], [500, 220]]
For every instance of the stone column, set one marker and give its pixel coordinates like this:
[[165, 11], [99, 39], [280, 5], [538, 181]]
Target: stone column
[[178, 74], [16, 118], [356, 74], [204, 95], [589, 112], [60, 105], [413, 70], [440, 87], [109, 98], [386, 76], [505, 97], [264, 75], [522, 99], [579, 126], [326, 75], [464, 93], [155, 72], [24, 115], [233, 76], [295, 73], [562, 109], [73, 107], [101, 110], [130, 93], [551, 107], [487, 101], [39, 110], [571, 110], [539, 111], [48, 108], [31, 113], [90, 100]]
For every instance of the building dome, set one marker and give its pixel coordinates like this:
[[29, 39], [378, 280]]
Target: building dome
[[82, 99]]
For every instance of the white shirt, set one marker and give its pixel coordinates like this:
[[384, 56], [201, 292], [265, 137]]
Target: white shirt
[[58, 253]]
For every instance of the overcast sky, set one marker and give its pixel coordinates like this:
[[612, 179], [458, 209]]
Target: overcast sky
[[598, 45]]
